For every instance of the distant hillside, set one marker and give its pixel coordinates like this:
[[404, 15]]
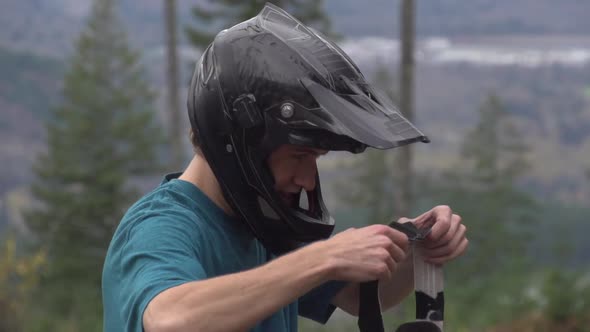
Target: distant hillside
[[459, 17], [49, 26], [551, 102], [29, 86], [29, 81], [551, 105]]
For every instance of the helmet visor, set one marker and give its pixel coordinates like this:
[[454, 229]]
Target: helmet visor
[[364, 116]]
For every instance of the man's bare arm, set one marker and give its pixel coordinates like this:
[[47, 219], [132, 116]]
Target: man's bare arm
[[235, 302]]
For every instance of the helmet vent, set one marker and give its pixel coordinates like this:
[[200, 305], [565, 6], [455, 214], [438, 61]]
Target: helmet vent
[[266, 210]]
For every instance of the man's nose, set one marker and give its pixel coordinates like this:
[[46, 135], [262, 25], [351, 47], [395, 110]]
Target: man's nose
[[306, 177]]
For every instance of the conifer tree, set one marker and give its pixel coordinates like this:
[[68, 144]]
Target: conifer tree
[[102, 135], [483, 187]]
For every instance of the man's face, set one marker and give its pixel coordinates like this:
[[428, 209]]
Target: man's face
[[294, 168]]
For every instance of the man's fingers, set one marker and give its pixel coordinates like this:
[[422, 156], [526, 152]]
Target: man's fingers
[[446, 239], [447, 248], [398, 238], [453, 226], [391, 266], [396, 243], [461, 248], [442, 223], [438, 219], [397, 253]]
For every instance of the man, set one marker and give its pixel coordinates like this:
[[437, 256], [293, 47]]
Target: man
[[227, 245]]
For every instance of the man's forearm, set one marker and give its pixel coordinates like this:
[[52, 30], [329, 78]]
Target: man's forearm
[[236, 302]]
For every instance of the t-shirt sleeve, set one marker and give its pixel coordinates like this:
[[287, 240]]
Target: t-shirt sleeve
[[317, 303], [157, 254]]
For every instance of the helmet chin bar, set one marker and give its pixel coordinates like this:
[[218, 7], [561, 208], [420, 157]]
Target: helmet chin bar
[[305, 202]]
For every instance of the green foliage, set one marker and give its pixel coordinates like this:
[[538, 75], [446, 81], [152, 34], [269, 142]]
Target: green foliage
[[101, 136], [225, 13], [494, 147], [19, 276], [474, 301], [499, 216], [482, 188], [369, 187], [559, 302], [560, 239], [565, 295]]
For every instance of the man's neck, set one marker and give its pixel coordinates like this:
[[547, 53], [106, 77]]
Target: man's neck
[[200, 174]]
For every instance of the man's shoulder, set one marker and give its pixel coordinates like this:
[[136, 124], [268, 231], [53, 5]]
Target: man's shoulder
[[166, 208], [167, 197], [175, 195]]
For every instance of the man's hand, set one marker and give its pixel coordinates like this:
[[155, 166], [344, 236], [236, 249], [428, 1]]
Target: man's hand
[[364, 254], [446, 240]]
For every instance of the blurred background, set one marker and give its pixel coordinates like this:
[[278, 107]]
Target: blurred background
[[92, 115]]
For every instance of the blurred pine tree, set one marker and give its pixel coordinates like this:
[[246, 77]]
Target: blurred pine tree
[[102, 135], [483, 188]]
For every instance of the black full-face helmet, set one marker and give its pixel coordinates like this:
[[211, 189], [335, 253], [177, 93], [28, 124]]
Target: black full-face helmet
[[271, 81]]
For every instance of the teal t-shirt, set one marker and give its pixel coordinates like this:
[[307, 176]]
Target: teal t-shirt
[[174, 235]]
